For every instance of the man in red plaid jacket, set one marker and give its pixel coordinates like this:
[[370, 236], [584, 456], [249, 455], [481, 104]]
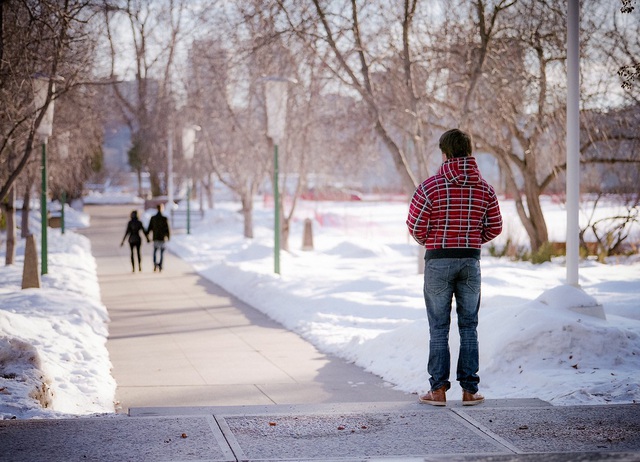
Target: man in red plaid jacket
[[452, 214]]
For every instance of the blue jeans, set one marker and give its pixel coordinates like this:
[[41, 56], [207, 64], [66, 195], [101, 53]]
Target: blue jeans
[[445, 278], [158, 246]]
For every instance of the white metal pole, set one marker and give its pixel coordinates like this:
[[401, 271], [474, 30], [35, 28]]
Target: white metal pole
[[573, 140]]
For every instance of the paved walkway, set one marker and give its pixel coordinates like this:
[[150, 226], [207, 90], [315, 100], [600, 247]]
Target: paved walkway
[[203, 377], [176, 339]]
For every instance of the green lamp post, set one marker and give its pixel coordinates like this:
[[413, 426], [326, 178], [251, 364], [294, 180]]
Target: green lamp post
[[188, 151], [41, 84], [63, 154], [276, 89]]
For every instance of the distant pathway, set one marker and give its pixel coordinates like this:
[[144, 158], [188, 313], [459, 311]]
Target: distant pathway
[[177, 339]]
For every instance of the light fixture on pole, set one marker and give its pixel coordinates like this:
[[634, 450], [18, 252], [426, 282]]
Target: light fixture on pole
[[276, 89], [41, 94], [188, 151]]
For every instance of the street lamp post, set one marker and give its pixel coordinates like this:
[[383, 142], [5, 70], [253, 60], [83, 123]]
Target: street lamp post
[[170, 172], [276, 102], [44, 130], [63, 154], [188, 150]]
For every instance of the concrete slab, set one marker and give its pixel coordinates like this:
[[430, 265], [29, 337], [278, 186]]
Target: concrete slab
[[562, 429], [354, 435], [196, 438]]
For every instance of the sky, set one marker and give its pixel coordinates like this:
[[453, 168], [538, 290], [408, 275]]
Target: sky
[[357, 295]]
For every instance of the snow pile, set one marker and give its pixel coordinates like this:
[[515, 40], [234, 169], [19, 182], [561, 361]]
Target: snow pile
[[53, 356]]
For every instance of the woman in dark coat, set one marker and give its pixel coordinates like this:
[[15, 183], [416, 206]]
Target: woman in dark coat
[[133, 231]]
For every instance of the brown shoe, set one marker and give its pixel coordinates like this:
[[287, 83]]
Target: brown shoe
[[435, 397], [471, 399]]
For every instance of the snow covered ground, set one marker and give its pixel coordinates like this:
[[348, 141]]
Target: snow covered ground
[[53, 356], [357, 295]]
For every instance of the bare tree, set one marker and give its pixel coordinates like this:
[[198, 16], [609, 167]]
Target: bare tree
[[46, 37], [611, 233], [515, 111], [155, 30], [312, 141], [226, 100], [226, 91], [493, 67], [357, 37], [75, 149], [327, 138], [515, 103], [36, 29]]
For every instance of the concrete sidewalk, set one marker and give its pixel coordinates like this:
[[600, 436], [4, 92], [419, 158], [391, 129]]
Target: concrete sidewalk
[[521, 430], [176, 339], [203, 377]]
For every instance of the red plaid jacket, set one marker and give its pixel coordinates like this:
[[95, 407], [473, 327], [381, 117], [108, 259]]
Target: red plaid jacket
[[456, 208]]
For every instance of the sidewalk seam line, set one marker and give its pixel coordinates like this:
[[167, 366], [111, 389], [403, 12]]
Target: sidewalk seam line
[[237, 451], [486, 431]]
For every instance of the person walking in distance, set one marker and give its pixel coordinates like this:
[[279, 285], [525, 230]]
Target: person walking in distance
[[134, 226], [452, 214], [159, 227]]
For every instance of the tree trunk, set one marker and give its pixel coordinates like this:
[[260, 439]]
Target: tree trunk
[[209, 184], [539, 234], [10, 213], [285, 229], [156, 189], [247, 214], [25, 212], [139, 175], [530, 215], [9, 208]]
